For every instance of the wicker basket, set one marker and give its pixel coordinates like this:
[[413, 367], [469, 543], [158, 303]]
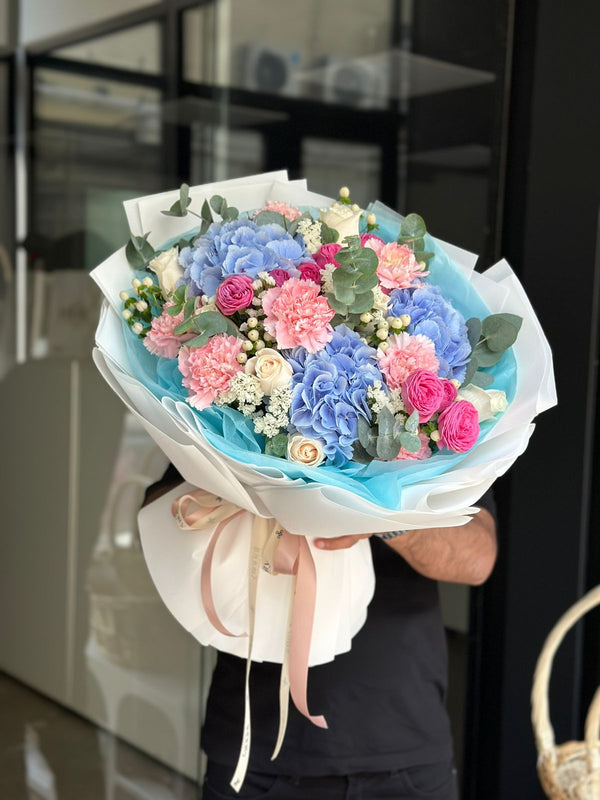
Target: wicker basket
[[570, 771]]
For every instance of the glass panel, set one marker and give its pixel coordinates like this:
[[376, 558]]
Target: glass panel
[[135, 48], [7, 222]]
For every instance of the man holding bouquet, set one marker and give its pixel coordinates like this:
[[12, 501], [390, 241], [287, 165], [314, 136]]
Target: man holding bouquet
[[389, 733]]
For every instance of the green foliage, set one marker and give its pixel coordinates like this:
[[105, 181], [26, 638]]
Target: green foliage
[[353, 280], [270, 218], [490, 339], [328, 235], [482, 379], [412, 423], [206, 324], [383, 439], [139, 251], [412, 234], [277, 445], [410, 442], [219, 206], [180, 206]]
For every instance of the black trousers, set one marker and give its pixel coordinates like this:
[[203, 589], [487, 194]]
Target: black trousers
[[433, 781]]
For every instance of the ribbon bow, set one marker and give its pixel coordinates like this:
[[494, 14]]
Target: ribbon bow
[[276, 551]]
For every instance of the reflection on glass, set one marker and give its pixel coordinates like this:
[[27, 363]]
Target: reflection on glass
[[136, 49], [329, 164]]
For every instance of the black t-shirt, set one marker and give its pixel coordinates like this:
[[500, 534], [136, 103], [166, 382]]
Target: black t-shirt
[[383, 700]]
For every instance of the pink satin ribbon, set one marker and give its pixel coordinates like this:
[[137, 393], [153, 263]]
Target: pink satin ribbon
[[292, 557]]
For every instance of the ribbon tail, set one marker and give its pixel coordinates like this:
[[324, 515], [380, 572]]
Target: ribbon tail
[[284, 681], [301, 631], [206, 579]]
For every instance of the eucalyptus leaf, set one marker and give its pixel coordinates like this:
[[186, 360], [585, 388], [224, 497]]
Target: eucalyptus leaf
[[482, 379], [472, 367], [424, 255], [344, 294], [485, 356], [413, 227], [473, 331], [270, 218], [363, 302], [218, 204], [387, 448], [367, 437], [360, 455], [172, 311], [345, 277], [277, 445], [385, 421], [412, 423], [206, 213], [366, 283], [198, 341], [499, 332], [398, 427], [139, 251], [410, 442], [340, 308], [184, 195], [328, 235]]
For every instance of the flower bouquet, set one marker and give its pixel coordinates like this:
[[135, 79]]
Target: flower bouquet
[[311, 368]]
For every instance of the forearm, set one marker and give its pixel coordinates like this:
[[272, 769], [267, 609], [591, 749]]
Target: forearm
[[459, 555]]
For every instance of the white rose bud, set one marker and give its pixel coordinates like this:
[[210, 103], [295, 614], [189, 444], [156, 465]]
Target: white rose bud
[[344, 192], [167, 269], [343, 218], [136, 283], [148, 281], [126, 313], [305, 451], [124, 295], [137, 327], [141, 305], [371, 219], [355, 207], [271, 369]]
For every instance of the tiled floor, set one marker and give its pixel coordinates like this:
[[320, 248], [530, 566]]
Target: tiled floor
[[49, 753]]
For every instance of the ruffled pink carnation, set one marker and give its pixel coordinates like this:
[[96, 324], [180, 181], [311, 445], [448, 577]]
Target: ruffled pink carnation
[[298, 316], [458, 426], [327, 253], [398, 268], [421, 454], [279, 207], [208, 370], [160, 339], [405, 354]]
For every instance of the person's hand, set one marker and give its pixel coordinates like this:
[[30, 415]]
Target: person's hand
[[340, 542]]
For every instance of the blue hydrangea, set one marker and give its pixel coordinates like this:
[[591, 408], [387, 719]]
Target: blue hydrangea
[[330, 392], [239, 247], [434, 316]]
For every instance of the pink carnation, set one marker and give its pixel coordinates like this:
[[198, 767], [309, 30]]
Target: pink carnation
[[309, 271], [421, 454], [424, 392], [160, 339], [405, 354], [234, 294], [327, 253], [279, 207], [366, 237], [458, 426], [398, 268], [208, 370], [298, 316]]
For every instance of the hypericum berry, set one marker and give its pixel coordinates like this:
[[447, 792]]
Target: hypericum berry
[[253, 335]]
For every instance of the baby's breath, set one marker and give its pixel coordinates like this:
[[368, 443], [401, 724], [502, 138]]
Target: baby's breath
[[311, 233]]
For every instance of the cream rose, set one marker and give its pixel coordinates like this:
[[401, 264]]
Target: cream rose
[[343, 218], [168, 270], [305, 451], [488, 402], [271, 369]]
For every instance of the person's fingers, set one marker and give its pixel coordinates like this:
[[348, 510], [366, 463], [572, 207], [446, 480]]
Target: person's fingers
[[340, 542]]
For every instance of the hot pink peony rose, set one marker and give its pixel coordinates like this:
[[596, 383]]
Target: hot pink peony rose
[[458, 426], [310, 271], [405, 354], [421, 454], [234, 294], [280, 207], [160, 339], [298, 316], [280, 276], [424, 392], [366, 237], [327, 253], [450, 393], [208, 370], [398, 268]]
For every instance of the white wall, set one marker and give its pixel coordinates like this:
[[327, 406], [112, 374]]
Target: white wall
[[41, 19]]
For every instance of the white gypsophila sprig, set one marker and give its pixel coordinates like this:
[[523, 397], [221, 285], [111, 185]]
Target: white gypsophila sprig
[[245, 391], [327, 278], [380, 299], [378, 398], [311, 233], [276, 418]]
